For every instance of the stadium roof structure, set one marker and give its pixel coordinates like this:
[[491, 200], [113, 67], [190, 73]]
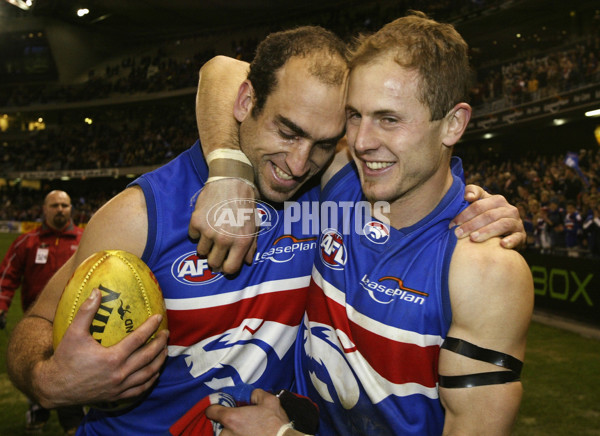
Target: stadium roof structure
[[501, 29], [498, 25], [156, 19]]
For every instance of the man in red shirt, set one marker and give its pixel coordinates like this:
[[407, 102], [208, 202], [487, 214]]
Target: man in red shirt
[[31, 260]]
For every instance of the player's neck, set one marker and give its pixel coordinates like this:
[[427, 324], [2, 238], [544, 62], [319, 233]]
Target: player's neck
[[417, 203]]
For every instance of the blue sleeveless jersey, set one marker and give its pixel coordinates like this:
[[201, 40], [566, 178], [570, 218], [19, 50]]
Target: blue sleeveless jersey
[[378, 311], [224, 330]]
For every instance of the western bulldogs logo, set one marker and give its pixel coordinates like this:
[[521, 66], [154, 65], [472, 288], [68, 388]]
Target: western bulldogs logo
[[331, 374], [332, 250], [191, 269], [376, 232], [336, 367], [243, 354]]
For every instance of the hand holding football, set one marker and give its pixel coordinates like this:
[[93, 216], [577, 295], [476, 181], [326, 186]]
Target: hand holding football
[[130, 295]]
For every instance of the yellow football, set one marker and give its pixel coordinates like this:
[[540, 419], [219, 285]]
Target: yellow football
[[130, 295]]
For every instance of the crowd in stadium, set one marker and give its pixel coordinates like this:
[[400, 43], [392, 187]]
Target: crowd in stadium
[[497, 87], [560, 205], [132, 138], [538, 77], [562, 62]]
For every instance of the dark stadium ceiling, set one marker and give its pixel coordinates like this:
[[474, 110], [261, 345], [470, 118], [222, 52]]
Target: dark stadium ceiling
[[163, 18], [149, 18], [513, 24]]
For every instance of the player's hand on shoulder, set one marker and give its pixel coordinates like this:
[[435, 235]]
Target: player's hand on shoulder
[[489, 216], [91, 373], [225, 223]]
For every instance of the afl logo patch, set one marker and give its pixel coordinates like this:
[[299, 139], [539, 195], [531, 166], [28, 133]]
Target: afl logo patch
[[376, 232], [332, 251], [191, 269]]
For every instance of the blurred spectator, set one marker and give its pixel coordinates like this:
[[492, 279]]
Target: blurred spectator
[[527, 223], [591, 227], [544, 231], [29, 263], [572, 223]]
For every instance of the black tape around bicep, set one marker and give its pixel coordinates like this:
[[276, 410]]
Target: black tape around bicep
[[473, 351]]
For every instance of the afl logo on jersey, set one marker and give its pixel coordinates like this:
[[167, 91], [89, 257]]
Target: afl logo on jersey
[[191, 269], [332, 250], [376, 232]]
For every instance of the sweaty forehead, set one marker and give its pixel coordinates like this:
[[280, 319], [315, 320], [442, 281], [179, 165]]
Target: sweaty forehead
[[384, 84]]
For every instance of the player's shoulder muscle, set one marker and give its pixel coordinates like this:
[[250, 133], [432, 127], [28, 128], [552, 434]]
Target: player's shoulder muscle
[[489, 282], [121, 223]]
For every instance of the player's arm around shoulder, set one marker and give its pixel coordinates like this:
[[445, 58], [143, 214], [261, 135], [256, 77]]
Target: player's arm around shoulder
[[491, 293]]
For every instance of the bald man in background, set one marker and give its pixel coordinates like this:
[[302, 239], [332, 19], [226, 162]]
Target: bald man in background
[[31, 260]]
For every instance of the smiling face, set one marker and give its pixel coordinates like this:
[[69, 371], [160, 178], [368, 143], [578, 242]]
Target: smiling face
[[399, 151], [295, 134]]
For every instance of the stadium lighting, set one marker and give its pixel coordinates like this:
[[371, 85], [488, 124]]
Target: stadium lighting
[[83, 11], [594, 113], [25, 5], [559, 121], [488, 136]]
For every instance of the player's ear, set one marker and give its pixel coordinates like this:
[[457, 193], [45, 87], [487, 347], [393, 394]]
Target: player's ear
[[456, 122], [244, 101]]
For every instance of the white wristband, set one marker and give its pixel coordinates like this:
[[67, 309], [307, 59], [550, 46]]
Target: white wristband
[[227, 153], [284, 428], [217, 178]]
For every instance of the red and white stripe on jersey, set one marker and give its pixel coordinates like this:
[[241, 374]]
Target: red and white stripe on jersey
[[379, 374], [201, 317]]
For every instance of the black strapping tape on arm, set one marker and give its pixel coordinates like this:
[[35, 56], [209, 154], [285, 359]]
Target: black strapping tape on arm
[[472, 351], [480, 379]]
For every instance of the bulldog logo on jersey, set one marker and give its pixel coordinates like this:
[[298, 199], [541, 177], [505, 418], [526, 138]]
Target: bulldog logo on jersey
[[242, 354], [376, 232], [339, 371], [332, 250], [191, 269], [331, 374]]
